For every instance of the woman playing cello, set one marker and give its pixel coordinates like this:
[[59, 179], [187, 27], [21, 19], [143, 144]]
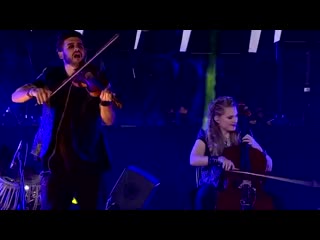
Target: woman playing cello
[[208, 151]]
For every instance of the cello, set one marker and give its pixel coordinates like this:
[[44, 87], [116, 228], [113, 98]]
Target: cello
[[244, 191]]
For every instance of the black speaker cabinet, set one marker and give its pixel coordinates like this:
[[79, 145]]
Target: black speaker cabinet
[[133, 190]]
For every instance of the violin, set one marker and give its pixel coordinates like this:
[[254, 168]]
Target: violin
[[85, 78], [88, 79]]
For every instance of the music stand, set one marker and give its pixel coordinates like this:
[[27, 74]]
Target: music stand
[[132, 190]]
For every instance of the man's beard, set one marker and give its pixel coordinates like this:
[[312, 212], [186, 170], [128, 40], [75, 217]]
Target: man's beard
[[73, 62]]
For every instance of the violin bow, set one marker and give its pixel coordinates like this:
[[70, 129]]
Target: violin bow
[[300, 182], [86, 64]]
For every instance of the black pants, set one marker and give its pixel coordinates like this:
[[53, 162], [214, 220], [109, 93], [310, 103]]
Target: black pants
[[206, 198], [86, 184]]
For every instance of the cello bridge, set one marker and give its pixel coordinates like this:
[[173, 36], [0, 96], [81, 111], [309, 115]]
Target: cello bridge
[[248, 195]]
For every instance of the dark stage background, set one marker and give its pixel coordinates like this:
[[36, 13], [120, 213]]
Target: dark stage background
[[156, 80]]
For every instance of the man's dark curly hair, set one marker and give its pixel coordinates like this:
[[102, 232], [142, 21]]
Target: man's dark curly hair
[[63, 35]]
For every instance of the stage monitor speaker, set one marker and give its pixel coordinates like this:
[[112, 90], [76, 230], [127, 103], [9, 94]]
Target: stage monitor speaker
[[133, 190]]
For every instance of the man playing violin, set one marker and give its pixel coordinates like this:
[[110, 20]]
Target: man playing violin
[[69, 141], [207, 151]]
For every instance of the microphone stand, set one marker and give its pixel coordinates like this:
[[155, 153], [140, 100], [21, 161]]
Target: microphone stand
[[21, 165], [22, 205]]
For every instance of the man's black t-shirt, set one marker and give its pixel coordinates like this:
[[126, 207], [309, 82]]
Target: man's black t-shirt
[[76, 134]]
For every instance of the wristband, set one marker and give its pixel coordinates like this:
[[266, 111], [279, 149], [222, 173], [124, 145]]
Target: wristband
[[105, 103], [28, 93], [212, 160]]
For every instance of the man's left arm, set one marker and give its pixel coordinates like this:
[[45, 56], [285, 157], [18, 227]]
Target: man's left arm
[[107, 112]]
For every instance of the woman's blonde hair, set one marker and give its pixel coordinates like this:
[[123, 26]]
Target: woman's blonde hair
[[214, 135]]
